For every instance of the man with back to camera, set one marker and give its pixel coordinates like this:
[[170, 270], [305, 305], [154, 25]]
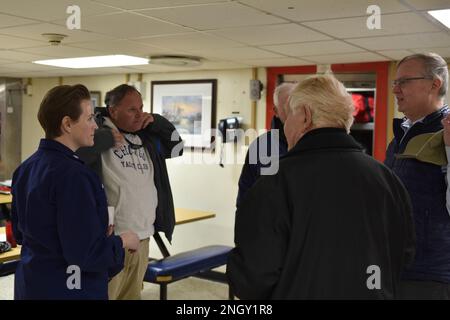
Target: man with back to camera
[[302, 233], [251, 171], [129, 155]]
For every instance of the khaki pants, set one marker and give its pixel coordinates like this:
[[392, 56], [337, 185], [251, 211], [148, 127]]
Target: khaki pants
[[128, 283]]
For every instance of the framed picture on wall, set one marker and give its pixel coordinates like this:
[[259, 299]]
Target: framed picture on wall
[[190, 105], [96, 98]]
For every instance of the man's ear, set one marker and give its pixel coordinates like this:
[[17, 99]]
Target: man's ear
[[66, 125], [112, 112], [275, 111], [308, 116], [437, 83]]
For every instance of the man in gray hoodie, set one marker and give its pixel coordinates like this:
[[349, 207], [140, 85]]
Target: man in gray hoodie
[[129, 155]]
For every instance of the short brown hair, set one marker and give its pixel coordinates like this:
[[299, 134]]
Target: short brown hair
[[116, 95], [59, 102]]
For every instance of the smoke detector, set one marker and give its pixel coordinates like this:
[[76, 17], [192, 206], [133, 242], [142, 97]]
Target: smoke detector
[[54, 38], [175, 60]]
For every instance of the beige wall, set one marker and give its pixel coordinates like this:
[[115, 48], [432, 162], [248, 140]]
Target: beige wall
[[194, 186]]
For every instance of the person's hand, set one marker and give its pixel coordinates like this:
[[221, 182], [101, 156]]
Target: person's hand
[[110, 230], [130, 241], [446, 123], [119, 140], [147, 118]]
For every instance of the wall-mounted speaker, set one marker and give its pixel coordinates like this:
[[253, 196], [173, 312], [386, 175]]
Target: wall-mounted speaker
[[255, 90]]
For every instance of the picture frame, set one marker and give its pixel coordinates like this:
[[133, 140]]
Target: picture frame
[[96, 98], [190, 105]]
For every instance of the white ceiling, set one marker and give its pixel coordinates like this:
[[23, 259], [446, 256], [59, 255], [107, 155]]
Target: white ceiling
[[226, 33]]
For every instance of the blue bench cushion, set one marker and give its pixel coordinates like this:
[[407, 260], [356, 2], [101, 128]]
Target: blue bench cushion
[[186, 264]]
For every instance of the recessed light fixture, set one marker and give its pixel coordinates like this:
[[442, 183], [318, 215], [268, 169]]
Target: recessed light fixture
[[443, 16], [95, 62], [175, 60]]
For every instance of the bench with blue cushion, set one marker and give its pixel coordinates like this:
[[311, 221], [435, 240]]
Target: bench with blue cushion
[[8, 268], [198, 262]]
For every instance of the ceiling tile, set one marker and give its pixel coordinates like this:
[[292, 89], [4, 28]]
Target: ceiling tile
[[275, 62], [214, 16], [18, 56], [312, 48], [443, 52], [211, 65], [5, 61], [271, 34], [323, 9], [145, 4], [122, 47], [48, 10], [149, 68], [227, 33], [198, 41], [236, 53], [356, 27], [429, 4], [61, 51], [7, 42], [346, 57], [395, 54], [9, 21], [422, 40], [35, 32], [27, 66], [128, 25]]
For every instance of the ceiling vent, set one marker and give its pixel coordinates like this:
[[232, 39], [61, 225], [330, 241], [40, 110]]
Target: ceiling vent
[[175, 60], [54, 38]]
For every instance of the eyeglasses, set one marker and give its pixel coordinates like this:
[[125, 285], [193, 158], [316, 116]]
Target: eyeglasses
[[402, 81], [133, 145]]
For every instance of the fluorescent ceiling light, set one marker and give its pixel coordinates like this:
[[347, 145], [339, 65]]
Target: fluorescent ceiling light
[[443, 16], [95, 62]]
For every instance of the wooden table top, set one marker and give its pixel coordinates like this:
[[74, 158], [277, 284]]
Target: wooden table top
[[13, 254], [188, 215], [5, 198], [182, 216]]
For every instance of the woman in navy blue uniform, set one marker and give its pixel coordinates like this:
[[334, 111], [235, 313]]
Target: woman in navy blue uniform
[[59, 209]]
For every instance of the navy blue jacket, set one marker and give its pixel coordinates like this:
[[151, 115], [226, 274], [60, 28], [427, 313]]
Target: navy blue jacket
[[252, 171], [426, 185], [60, 218]]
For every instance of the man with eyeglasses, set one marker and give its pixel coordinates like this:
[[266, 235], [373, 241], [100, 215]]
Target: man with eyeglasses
[[420, 88], [129, 155]]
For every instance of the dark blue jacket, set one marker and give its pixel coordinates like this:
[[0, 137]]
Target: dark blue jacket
[[60, 218], [426, 185], [252, 171]]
